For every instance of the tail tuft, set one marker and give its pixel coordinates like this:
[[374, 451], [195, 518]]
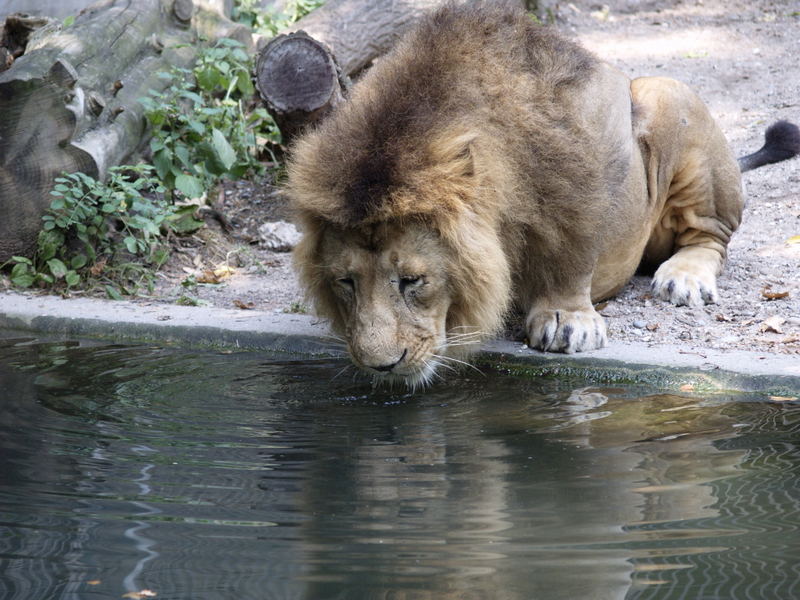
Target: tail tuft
[[781, 142]]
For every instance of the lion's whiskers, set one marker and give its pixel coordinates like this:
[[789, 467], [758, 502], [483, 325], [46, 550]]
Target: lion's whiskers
[[343, 370], [449, 359]]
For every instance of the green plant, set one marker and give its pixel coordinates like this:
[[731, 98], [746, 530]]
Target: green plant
[[296, 308], [201, 129], [268, 23], [107, 233]]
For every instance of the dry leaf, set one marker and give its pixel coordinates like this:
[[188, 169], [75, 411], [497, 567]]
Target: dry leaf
[[98, 267], [766, 293], [687, 387], [140, 594], [783, 398], [723, 318], [94, 582], [224, 271], [208, 277], [600, 306], [795, 239], [244, 305], [772, 324], [653, 326]]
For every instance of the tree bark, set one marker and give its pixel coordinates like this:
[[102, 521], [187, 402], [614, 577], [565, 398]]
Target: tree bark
[[60, 9], [302, 74], [70, 102]]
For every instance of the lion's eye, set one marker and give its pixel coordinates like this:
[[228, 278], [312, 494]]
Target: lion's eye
[[407, 282], [346, 282]]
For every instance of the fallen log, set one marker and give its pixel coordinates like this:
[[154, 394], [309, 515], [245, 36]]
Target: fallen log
[[302, 74], [70, 102]]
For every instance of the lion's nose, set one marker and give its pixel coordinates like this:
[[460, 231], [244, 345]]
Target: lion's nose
[[387, 368]]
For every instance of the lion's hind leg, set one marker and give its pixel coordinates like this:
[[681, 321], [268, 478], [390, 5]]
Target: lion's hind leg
[[698, 232], [689, 277], [694, 181]]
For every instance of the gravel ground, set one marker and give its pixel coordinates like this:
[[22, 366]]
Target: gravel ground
[[741, 57]]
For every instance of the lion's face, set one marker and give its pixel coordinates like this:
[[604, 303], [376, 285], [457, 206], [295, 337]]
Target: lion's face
[[390, 288]]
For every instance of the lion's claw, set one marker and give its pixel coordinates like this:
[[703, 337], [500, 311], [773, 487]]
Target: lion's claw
[[680, 287], [566, 330]]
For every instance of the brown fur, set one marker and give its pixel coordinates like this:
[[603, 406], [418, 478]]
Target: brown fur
[[517, 151]]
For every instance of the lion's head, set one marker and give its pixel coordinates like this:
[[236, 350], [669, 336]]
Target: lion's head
[[415, 280], [406, 300]]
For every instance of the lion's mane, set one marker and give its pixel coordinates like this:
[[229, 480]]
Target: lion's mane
[[467, 126]]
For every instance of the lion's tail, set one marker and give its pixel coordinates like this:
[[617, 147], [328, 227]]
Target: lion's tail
[[781, 142]]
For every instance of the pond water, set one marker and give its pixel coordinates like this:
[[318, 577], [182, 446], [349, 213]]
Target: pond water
[[198, 475]]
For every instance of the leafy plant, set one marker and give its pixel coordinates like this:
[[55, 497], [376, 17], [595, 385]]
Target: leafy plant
[[268, 23], [107, 233], [201, 130], [296, 308]]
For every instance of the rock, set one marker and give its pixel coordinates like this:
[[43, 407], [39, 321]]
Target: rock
[[639, 324], [279, 236]]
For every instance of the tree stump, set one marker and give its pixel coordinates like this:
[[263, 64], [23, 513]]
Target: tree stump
[[70, 102]]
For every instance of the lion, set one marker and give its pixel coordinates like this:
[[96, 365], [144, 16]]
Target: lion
[[487, 164]]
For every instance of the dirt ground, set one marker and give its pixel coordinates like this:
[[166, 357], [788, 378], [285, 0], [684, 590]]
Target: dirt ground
[[742, 59]]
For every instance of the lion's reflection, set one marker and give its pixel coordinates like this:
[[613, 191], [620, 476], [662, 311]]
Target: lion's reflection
[[511, 499]]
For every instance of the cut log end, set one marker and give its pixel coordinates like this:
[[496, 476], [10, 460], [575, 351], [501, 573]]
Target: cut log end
[[296, 73], [298, 79]]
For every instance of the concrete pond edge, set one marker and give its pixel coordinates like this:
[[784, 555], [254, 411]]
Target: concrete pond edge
[[685, 369]]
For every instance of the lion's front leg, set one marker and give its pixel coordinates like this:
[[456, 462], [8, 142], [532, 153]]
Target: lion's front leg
[[565, 324]]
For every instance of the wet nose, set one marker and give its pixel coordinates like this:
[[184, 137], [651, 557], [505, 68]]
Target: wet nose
[[387, 368]]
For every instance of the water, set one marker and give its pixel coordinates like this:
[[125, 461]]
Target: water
[[198, 475]]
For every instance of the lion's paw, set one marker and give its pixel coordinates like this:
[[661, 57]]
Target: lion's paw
[[683, 282], [566, 330]]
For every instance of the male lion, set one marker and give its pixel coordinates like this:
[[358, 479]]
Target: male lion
[[486, 163]]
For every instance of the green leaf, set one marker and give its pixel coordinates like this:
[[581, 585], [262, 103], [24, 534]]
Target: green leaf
[[72, 278], [161, 255], [189, 186], [47, 251], [130, 244], [113, 293], [183, 221], [162, 160], [25, 280], [196, 98], [57, 268], [207, 79], [197, 126], [244, 84], [78, 261], [69, 21], [182, 152], [226, 154], [22, 259], [19, 270]]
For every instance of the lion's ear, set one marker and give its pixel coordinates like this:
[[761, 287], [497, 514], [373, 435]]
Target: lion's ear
[[452, 153]]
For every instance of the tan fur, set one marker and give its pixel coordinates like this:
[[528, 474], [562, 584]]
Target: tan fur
[[503, 165]]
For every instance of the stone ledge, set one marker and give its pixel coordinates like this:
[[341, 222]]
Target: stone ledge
[[665, 366]]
